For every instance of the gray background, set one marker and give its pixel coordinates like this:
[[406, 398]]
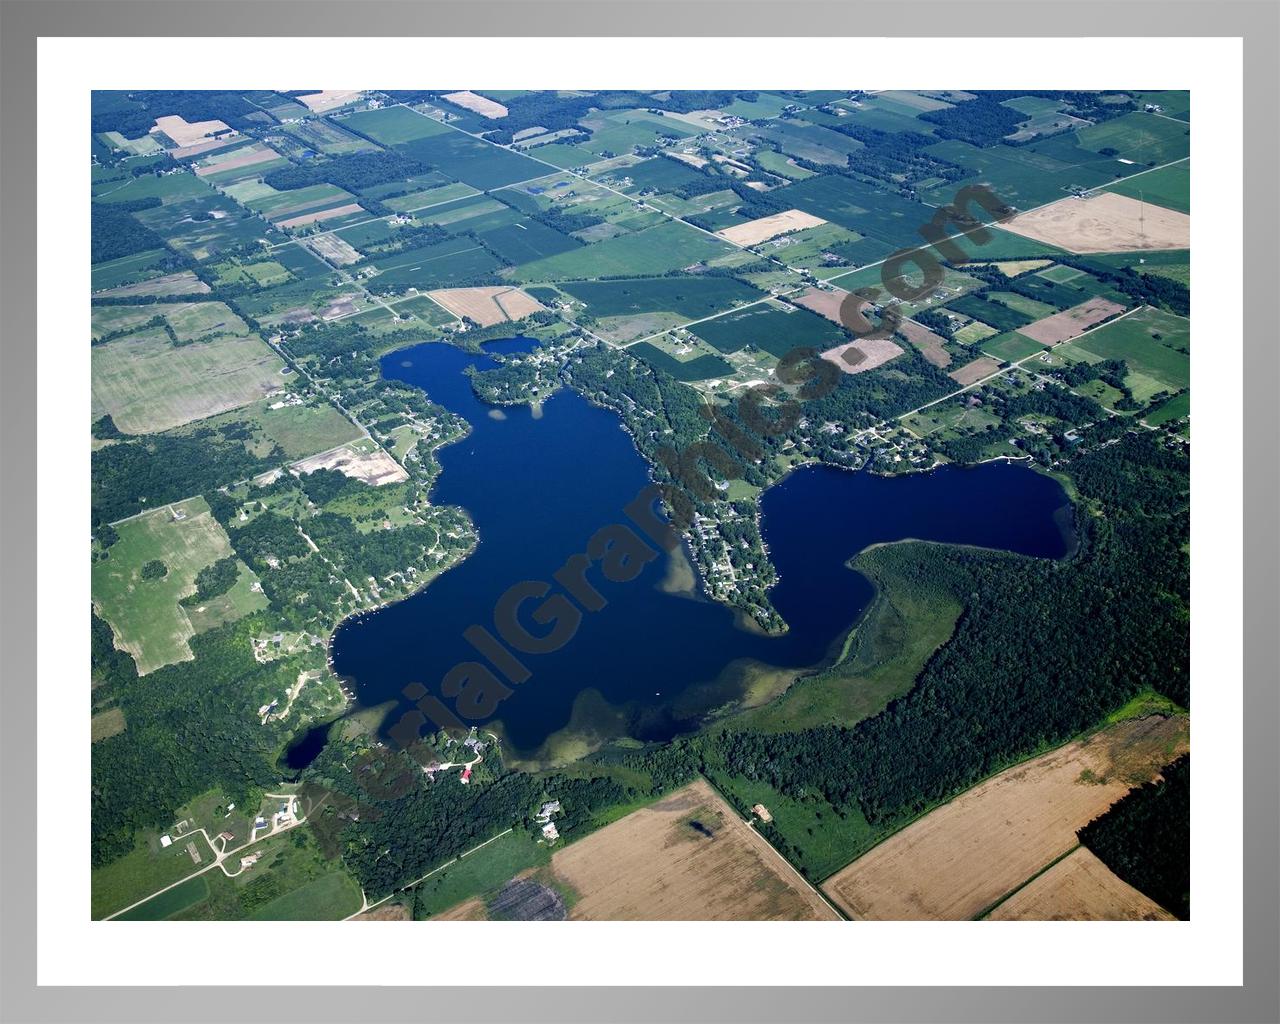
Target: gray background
[[1258, 22]]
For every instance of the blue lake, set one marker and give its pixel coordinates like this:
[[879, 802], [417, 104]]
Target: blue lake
[[652, 663]]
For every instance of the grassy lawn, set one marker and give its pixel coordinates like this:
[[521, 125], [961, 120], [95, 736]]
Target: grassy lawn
[[815, 837], [175, 900], [330, 897], [291, 881], [147, 868]]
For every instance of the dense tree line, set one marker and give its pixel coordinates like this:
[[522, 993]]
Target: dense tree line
[[133, 113], [214, 581], [115, 232], [982, 121], [1042, 650], [391, 828], [1145, 838], [353, 173], [897, 157], [1151, 289], [190, 727], [149, 471]]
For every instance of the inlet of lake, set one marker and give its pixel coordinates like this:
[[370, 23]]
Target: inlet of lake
[[653, 662]]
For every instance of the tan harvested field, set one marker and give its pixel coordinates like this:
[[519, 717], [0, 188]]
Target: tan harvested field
[[372, 467], [1079, 888], [311, 218], [182, 283], [1071, 323], [1106, 222], [327, 99], [488, 305], [825, 303], [479, 104], [147, 384], [689, 857], [961, 858], [764, 228], [247, 157], [203, 146], [862, 355], [970, 373], [186, 133], [929, 344], [386, 912], [106, 724], [468, 910]]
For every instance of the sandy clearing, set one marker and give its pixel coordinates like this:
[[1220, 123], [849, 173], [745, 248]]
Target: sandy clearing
[[375, 468], [492, 304], [334, 249], [864, 354], [929, 344], [1079, 888], [825, 302], [188, 133], [468, 910], [479, 104], [1105, 222], [1071, 323], [327, 99], [983, 366], [763, 228], [958, 860], [386, 912], [688, 857], [106, 724], [692, 159], [319, 215]]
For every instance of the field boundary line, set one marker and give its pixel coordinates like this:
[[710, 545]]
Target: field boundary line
[[840, 914], [418, 881], [985, 912]]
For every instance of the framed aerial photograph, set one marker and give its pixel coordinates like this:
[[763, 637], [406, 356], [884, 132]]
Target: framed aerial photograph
[[744, 499]]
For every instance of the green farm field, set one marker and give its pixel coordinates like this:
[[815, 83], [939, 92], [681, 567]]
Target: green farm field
[[433, 266], [1153, 343], [656, 250], [703, 367], [479, 164], [170, 902], [128, 269], [299, 430], [148, 867], [1166, 186], [689, 297], [772, 327], [148, 384], [144, 613], [478, 874], [1010, 346], [392, 126]]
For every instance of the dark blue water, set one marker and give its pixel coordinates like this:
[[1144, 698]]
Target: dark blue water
[[306, 748], [538, 487]]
